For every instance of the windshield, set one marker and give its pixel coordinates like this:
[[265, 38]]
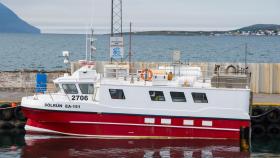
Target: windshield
[[86, 88], [70, 88], [56, 88]]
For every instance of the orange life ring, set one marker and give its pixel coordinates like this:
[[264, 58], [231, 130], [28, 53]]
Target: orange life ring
[[146, 74]]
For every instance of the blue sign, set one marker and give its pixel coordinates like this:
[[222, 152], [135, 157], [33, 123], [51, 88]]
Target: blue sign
[[116, 52], [116, 47]]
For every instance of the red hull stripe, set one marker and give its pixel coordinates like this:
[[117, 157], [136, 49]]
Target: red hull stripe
[[153, 125]]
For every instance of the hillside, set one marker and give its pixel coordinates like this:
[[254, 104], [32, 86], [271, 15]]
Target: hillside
[[11, 23], [257, 27]]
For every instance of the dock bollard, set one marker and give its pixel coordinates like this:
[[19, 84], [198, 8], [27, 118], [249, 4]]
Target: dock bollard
[[244, 139]]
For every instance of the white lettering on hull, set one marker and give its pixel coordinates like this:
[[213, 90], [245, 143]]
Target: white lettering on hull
[[67, 106]]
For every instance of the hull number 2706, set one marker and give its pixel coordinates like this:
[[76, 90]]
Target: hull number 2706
[[79, 97]]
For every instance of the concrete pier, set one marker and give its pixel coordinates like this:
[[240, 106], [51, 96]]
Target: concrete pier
[[265, 77]]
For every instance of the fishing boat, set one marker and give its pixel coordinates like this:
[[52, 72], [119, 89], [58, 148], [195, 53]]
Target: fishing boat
[[143, 105]]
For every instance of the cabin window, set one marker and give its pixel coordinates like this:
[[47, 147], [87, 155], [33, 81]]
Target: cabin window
[[86, 88], [70, 88], [178, 97], [199, 98], [157, 96], [57, 88], [117, 93]]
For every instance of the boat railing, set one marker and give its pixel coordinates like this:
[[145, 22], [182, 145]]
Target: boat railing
[[220, 79], [48, 90]]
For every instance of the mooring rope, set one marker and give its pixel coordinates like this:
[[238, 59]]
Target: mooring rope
[[263, 113]]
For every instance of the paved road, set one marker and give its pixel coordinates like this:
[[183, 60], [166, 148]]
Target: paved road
[[266, 98]]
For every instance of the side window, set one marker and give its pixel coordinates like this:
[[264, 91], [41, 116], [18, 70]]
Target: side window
[[157, 95], [70, 88], [199, 98], [178, 97], [57, 88], [117, 93], [86, 88]]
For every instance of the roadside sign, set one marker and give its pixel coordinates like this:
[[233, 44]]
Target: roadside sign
[[116, 47]]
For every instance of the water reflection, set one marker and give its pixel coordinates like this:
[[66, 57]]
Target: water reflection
[[266, 145], [11, 144], [33, 146], [51, 147]]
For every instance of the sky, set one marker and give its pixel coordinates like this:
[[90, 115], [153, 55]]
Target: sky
[[75, 16]]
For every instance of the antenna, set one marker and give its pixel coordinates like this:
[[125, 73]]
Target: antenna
[[130, 53], [92, 45], [246, 52], [86, 45]]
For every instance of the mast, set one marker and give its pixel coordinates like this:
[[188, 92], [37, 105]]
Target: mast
[[92, 45], [86, 46], [130, 53], [246, 51]]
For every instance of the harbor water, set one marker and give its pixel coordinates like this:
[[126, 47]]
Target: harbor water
[[35, 146], [44, 51]]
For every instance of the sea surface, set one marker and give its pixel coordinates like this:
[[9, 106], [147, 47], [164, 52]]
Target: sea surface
[[44, 51], [44, 146]]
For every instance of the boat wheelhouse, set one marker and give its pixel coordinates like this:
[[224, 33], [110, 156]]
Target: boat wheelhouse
[[139, 106]]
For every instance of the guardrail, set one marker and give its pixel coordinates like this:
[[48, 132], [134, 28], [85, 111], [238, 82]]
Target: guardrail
[[221, 79]]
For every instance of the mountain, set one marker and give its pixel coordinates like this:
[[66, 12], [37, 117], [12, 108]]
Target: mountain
[[11, 23], [257, 27]]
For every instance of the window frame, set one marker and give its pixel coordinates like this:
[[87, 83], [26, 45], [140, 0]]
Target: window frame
[[87, 89], [156, 96], [57, 88], [62, 85], [185, 99], [123, 97], [205, 100]]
